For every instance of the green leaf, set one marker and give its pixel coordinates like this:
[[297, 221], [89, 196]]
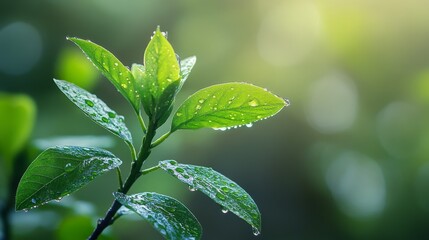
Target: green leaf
[[59, 171], [161, 78], [186, 66], [119, 75], [226, 105], [167, 215], [17, 113], [96, 109], [219, 188]]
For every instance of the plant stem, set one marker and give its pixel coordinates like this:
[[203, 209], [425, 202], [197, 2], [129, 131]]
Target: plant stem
[[149, 170], [142, 125], [160, 140], [134, 175]]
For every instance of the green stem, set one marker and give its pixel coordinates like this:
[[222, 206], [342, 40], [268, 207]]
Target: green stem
[[149, 170], [132, 150], [134, 175], [121, 183], [142, 125], [160, 140]]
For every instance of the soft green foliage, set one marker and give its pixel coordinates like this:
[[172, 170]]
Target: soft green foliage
[[16, 123], [119, 75], [96, 109], [59, 171], [167, 215], [219, 188], [226, 105]]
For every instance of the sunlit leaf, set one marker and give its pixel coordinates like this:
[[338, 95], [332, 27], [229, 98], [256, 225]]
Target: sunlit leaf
[[161, 77], [60, 171], [226, 105], [219, 188], [167, 215], [96, 109], [186, 66], [119, 75], [16, 123]]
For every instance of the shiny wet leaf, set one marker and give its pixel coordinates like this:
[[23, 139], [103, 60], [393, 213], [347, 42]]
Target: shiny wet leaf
[[96, 109], [59, 171], [219, 188], [167, 215], [118, 74], [225, 106]]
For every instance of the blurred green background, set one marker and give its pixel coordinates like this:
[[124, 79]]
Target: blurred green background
[[347, 160]]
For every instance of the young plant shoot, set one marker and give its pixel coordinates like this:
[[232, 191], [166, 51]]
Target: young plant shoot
[[152, 88]]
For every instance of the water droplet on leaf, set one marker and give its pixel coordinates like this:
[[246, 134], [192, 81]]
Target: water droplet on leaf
[[105, 120], [192, 189], [68, 167], [224, 210], [255, 231], [201, 101], [253, 103], [89, 103], [249, 125], [220, 196], [111, 114], [225, 189], [221, 129]]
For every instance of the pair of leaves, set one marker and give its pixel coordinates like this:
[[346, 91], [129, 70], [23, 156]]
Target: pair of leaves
[[59, 171], [175, 221]]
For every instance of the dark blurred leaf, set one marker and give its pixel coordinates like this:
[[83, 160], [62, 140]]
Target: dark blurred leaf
[[219, 188], [112, 69], [76, 227], [96, 109], [226, 105], [60, 171], [167, 215]]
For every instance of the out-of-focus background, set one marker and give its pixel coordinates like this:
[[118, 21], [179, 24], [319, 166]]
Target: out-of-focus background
[[348, 159]]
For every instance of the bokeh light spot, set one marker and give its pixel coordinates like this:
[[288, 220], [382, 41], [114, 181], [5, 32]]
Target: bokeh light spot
[[398, 128], [75, 68], [357, 184], [20, 48], [288, 33], [332, 104]]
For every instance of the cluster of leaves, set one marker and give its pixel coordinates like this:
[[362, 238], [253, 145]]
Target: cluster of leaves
[[153, 87]]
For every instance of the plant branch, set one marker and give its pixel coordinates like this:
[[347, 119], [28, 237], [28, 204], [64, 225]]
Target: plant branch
[[141, 121], [160, 140], [133, 176], [121, 183], [149, 170]]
